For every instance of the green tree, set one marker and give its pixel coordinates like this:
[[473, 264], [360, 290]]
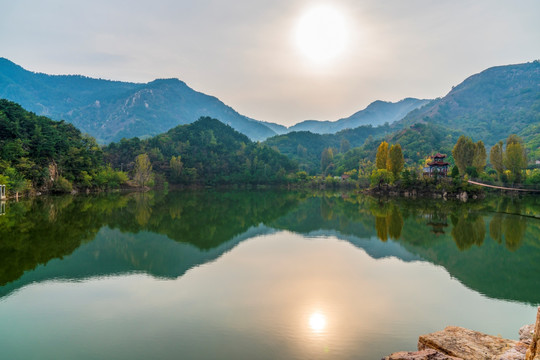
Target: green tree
[[176, 166], [395, 160], [496, 158], [380, 177], [344, 146], [143, 170], [515, 159], [463, 153], [16, 182], [382, 155], [327, 157], [480, 156]]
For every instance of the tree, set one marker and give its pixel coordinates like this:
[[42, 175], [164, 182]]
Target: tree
[[382, 155], [16, 182], [176, 166], [463, 153], [480, 157], [143, 170], [496, 158], [345, 146], [395, 160], [515, 159], [327, 157]]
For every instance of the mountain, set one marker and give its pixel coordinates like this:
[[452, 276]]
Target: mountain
[[488, 106], [111, 110], [206, 151], [277, 128], [377, 113]]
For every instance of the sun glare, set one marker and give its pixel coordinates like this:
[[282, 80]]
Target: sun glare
[[317, 322], [321, 34]]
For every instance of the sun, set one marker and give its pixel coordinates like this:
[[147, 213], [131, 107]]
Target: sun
[[321, 34]]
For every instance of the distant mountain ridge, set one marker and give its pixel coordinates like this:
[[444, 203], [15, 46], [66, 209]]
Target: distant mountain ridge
[[375, 114], [111, 110]]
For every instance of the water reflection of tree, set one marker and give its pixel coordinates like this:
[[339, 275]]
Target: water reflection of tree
[[388, 221], [508, 225], [469, 229], [38, 230], [35, 231], [143, 207]]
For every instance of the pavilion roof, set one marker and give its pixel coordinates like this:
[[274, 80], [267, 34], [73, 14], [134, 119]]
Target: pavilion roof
[[437, 163]]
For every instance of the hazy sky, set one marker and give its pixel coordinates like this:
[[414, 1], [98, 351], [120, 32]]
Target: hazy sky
[[246, 52]]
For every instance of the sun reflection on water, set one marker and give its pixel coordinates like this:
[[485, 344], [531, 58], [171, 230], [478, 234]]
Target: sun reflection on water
[[317, 322]]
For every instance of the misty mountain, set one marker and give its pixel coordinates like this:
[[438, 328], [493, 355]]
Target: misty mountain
[[111, 110], [377, 113], [488, 106]]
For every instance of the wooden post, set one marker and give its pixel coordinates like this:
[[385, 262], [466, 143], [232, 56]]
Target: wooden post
[[2, 208]]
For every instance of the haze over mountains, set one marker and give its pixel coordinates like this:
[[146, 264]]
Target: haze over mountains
[[377, 113], [111, 110]]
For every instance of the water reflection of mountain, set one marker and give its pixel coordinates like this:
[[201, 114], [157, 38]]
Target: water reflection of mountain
[[35, 232], [481, 245], [484, 245], [114, 253]]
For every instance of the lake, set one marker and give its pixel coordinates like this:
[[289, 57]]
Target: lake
[[259, 274]]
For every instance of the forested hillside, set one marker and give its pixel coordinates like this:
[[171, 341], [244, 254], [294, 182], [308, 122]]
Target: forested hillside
[[417, 142], [306, 148], [39, 152], [205, 152], [489, 106]]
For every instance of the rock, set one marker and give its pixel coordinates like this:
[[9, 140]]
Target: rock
[[526, 334], [534, 350], [463, 196], [466, 344], [427, 354], [516, 353]]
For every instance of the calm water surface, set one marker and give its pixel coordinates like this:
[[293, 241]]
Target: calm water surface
[[259, 275]]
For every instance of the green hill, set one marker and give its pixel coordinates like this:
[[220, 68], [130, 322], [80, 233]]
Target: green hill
[[40, 149], [206, 152]]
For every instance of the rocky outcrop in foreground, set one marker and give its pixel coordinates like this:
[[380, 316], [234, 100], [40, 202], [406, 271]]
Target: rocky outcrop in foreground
[[457, 343]]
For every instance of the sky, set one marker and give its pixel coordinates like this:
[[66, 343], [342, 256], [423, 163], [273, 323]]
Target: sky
[[264, 57]]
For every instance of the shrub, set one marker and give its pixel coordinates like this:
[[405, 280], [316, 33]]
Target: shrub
[[534, 177], [62, 185], [380, 176]]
